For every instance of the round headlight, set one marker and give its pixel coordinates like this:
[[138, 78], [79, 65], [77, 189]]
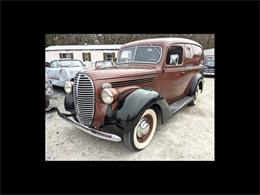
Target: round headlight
[[68, 87], [107, 96]]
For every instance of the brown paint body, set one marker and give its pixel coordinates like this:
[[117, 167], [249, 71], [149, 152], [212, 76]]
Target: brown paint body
[[172, 82]]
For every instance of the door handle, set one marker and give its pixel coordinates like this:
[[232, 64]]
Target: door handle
[[182, 72]]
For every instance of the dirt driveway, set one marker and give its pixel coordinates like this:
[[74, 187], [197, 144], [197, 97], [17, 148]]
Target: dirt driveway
[[189, 135]]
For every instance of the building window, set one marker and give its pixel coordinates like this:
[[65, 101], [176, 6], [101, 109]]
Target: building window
[[109, 56], [66, 55], [86, 57]]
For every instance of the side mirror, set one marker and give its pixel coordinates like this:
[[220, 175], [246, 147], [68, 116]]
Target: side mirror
[[47, 64]]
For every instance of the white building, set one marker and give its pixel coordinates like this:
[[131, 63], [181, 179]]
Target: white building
[[86, 53]]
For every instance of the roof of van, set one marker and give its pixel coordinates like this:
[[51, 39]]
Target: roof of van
[[163, 41]]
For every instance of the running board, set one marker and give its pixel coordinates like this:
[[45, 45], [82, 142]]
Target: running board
[[175, 107]]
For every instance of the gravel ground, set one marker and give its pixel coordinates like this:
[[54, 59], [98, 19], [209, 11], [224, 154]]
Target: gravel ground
[[189, 135]]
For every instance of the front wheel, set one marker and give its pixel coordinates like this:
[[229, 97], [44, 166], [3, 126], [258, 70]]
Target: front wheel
[[142, 134]]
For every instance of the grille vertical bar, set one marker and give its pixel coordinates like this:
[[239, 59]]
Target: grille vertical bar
[[84, 98]]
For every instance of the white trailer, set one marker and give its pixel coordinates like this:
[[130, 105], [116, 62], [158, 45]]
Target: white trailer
[[86, 53]]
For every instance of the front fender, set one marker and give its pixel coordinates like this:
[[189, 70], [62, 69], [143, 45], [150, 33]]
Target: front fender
[[131, 108], [69, 103], [64, 75]]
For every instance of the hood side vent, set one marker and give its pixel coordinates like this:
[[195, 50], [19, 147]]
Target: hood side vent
[[132, 82]]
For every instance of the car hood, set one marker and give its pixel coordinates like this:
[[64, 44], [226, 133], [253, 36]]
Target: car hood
[[72, 71], [120, 71]]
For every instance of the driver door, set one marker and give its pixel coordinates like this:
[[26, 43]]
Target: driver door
[[173, 78]]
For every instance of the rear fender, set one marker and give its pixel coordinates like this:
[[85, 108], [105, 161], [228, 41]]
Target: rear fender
[[194, 82]]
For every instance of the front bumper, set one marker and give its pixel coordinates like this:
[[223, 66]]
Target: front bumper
[[89, 130], [208, 73]]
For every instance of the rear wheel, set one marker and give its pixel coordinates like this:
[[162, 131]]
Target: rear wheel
[[142, 134], [196, 95]]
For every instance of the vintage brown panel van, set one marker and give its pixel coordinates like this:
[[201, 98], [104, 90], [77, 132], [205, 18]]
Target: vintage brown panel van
[[151, 80]]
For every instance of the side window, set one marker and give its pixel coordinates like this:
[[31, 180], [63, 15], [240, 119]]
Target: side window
[[198, 54], [188, 51], [197, 50], [54, 64], [174, 55]]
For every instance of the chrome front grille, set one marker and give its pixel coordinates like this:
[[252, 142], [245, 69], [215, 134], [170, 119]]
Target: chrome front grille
[[84, 98]]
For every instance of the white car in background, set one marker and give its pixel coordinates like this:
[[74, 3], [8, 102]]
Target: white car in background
[[102, 64], [62, 70]]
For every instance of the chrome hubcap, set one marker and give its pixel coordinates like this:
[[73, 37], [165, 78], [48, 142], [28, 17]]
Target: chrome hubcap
[[143, 128]]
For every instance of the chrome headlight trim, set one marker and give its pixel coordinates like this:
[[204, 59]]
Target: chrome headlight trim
[[107, 96]]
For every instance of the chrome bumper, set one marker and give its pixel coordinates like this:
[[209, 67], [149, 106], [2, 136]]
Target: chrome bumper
[[209, 73], [90, 130]]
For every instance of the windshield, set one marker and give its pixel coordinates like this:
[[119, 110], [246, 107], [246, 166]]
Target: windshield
[[72, 63], [140, 54]]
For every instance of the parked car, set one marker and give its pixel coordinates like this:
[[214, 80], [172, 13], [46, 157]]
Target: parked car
[[209, 57], [60, 71], [48, 92], [209, 67], [151, 81], [102, 64]]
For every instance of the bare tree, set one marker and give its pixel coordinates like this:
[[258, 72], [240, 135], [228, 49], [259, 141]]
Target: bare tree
[[206, 40]]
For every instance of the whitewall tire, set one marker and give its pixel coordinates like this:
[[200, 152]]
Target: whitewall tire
[[142, 134]]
